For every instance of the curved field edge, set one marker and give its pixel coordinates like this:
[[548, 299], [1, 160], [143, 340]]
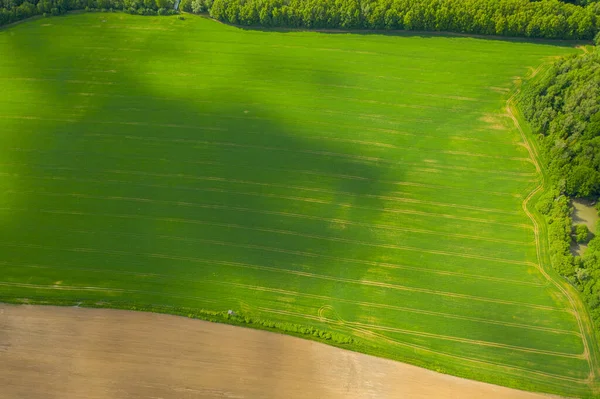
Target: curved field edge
[[583, 316], [368, 344], [497, 375], [326, 371]]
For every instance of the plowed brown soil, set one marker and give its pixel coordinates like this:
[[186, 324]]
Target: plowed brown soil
[[55, 352]]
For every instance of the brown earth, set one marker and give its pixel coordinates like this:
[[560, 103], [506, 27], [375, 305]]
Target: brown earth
[[55, 352]]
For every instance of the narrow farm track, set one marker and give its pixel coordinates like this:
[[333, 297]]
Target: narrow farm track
[[583, 320]]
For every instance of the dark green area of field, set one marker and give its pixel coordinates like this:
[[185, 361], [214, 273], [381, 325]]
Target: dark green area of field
[[365, 184]]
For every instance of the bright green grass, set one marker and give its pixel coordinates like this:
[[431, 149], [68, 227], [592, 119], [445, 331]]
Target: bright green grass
[[160, 162]]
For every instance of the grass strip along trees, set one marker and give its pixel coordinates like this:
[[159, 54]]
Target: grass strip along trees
[[563, 107]]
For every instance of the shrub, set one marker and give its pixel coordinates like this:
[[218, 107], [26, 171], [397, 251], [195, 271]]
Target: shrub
[[582, 234]]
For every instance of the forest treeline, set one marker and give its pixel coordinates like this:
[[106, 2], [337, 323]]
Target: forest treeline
[[552, 19], [16, 10], [563, 107]]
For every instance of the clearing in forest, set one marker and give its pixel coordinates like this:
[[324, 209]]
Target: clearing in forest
[[370, 186]]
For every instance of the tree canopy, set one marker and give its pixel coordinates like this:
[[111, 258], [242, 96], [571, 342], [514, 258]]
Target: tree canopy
[[551, 19], [563, 107], [540, 19], [16, 10]]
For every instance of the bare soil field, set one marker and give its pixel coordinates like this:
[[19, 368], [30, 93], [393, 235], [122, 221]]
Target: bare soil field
[[56, 352]]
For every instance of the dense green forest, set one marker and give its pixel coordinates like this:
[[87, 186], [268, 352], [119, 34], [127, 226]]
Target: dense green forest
[[563, 108], [553, 19], [16, 10], [542, 19]]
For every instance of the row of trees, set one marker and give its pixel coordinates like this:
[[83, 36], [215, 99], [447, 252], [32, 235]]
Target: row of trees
[[540, 19], [214, 316], [16, 10], [563, 108]]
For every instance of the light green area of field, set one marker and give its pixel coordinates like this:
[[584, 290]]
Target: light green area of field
[[365, 184]]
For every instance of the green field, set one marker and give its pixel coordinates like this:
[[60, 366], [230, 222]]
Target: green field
[[370, 185]]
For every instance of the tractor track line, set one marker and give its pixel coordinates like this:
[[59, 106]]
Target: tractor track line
[[590, 358], [263, 212], [291, 272], [372, 327]]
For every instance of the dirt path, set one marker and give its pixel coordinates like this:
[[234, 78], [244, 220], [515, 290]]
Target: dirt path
[[54, 352]]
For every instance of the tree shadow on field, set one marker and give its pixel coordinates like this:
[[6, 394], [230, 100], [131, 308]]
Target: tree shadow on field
[[127, 187]]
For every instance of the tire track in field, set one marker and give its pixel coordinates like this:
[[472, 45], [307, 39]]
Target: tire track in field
[[359, 331], [60, 287], [306, 295], [369, 129], [577, 307], [518, 369], [308, 255], [292, 187], [303, 235], [340, 322], [252, 104], [291, 198], [112, 271], [371, 327], [264, 212], [147, 124], [309, 172], [398, 308], [311, 152], [290, 272]]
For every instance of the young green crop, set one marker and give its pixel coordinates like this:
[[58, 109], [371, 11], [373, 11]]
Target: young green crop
[[365, 188]]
